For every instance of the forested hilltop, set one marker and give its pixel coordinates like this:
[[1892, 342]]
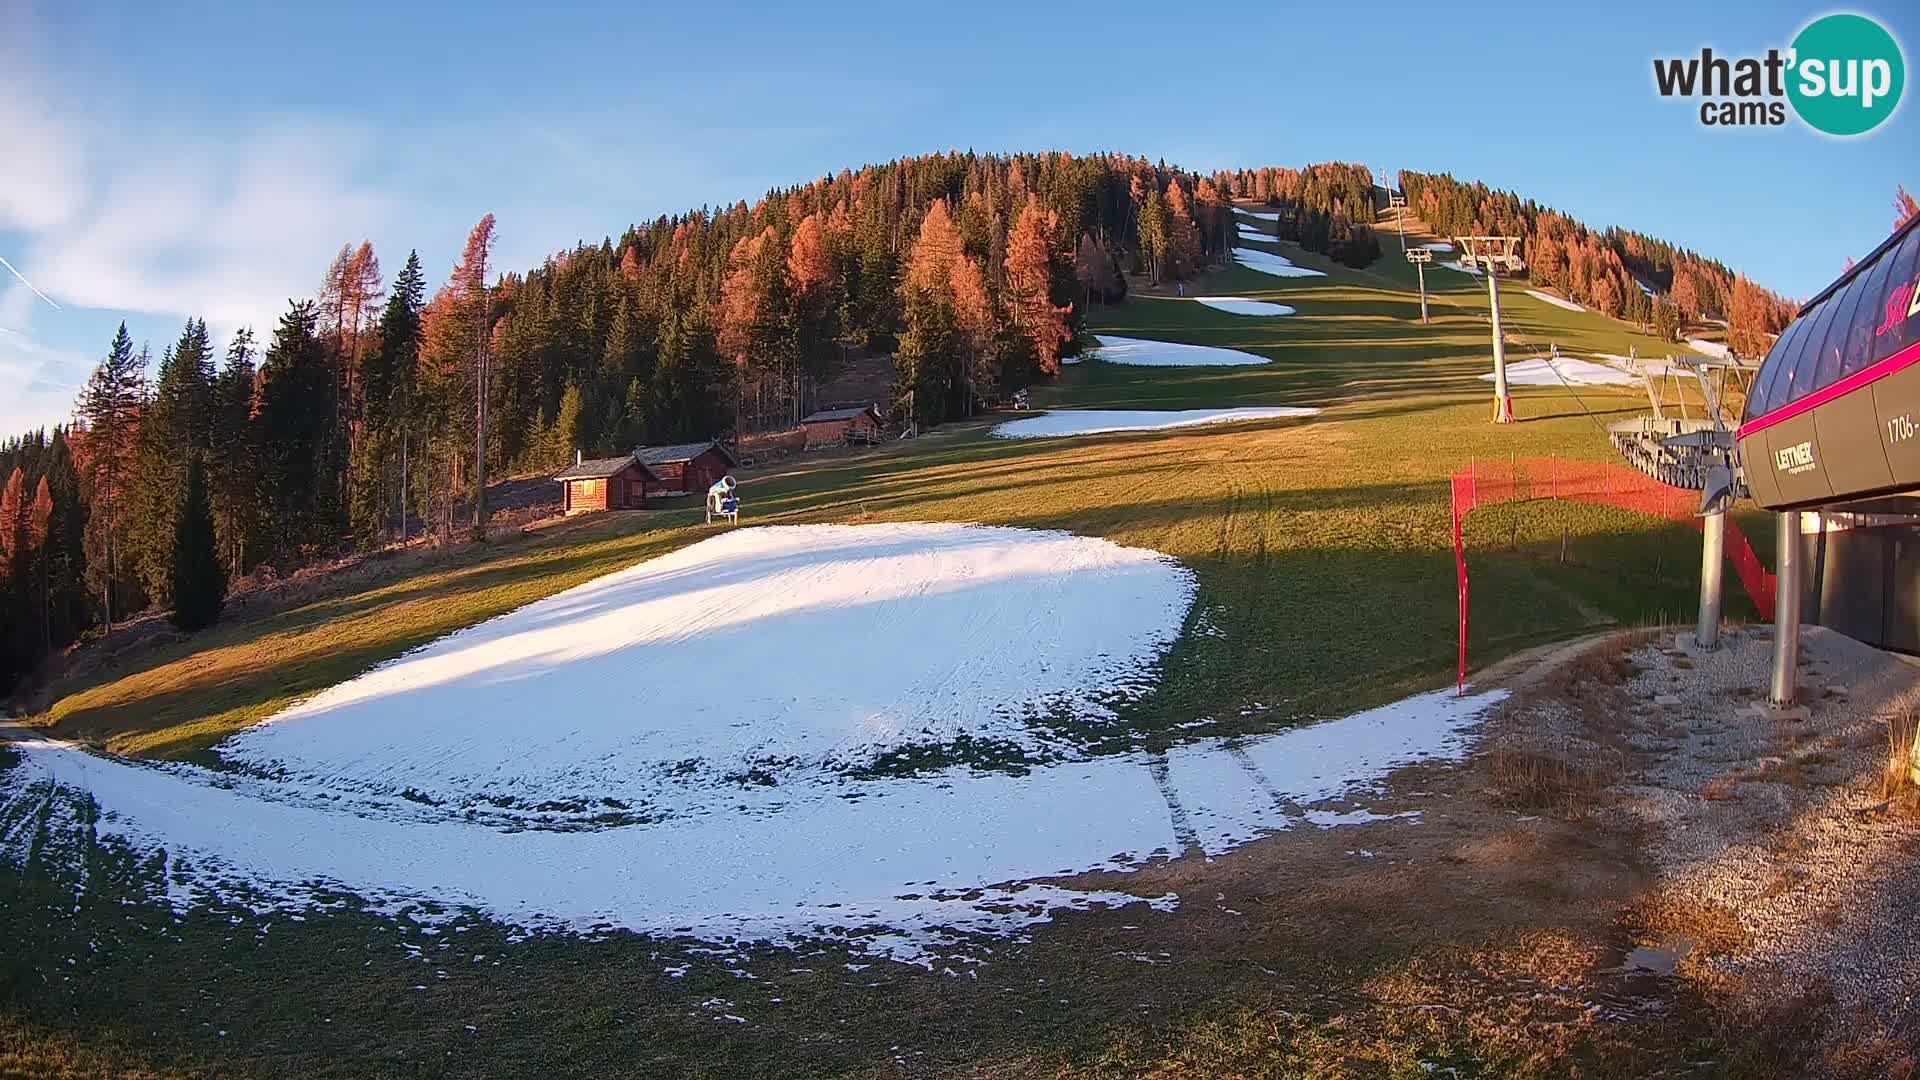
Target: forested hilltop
[[358, 419], [1628, 275]]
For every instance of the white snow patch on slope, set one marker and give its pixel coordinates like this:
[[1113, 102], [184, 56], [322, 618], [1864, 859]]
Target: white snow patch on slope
[[1714, 349], [1649, 364], [915, 858], [1238, 305], [1103, 421], [1566, 370], [1249, 232], [1438, 245], [1268, 263], [1142, 352], [780, 652], [1554, 300], [1263, 215], [1460, 266]]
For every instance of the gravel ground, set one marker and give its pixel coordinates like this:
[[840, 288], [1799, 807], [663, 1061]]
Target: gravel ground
[[1780, 821]]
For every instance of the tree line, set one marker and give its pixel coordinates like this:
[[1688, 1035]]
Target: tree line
[[374, 411], [1618, 272]]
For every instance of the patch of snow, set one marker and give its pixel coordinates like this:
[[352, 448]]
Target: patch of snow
[[1142, 352], [1438, 245], [1103, 421], [925, 856], [895, 863], [1714, 349], [603, 693], [1253, 232], [1566, 370], [1268, 263], [1648, 364], [1236, 305], [1554, 300], [1461, 267], [1263, 215]]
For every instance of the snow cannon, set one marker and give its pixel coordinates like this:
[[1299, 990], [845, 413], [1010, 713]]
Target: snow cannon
[[722, 502]]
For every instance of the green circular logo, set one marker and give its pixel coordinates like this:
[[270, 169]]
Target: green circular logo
[[1846, 75]]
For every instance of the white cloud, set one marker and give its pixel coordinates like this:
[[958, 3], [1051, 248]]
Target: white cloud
[[41, 161], [37, 382], [226, 232]]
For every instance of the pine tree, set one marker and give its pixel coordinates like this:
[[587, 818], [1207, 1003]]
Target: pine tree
[[174, 432], [198, 583], [66, 548], [295, 423], [110, 406], [233, 461], [1153, 236]]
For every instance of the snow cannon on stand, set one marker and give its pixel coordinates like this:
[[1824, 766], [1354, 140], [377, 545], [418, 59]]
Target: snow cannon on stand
[[722, 502]]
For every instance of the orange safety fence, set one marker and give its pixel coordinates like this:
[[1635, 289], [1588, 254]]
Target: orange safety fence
[[1483, 483]]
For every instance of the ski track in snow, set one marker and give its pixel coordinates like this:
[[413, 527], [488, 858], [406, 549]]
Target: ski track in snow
[[1105, 421], [1239, 305], [884, 637], [1268, 263], [1144, 352], [1554, 300], [1566, 370], [894, 633]]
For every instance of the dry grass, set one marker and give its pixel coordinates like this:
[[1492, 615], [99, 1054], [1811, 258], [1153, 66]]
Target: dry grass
[[1900, 780], [1573, 744]]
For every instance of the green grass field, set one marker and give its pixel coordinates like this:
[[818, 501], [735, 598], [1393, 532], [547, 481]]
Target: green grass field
[[1322, 548]]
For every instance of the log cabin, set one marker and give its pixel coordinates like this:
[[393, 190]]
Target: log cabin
[[615, 483], [837, 427], [687, 468]]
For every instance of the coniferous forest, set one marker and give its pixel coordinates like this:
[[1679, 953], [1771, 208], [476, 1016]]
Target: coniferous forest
[[377, 409]]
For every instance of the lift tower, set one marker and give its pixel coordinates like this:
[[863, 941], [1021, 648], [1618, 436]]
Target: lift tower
[[1494, 253], [1420, 257]]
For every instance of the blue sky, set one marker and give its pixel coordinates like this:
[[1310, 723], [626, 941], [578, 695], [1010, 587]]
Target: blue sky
[[165, 160]]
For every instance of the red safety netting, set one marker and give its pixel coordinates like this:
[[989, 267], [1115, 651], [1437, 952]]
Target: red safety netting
[[1483, 483]]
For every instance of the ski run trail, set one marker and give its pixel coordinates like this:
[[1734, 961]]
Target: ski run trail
[[709, 744]]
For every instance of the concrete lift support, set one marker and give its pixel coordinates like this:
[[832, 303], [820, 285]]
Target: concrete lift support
[[1420, 257], [1495, 253]]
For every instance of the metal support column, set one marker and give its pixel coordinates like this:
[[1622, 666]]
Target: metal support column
[[1786, 609], [1502, 404], [1713, 556]]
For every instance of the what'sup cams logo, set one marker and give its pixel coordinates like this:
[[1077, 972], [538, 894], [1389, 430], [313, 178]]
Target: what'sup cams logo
[[1842, 75]]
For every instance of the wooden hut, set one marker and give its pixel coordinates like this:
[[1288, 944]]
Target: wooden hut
[[615, 483], [685, 469], [837, 427]]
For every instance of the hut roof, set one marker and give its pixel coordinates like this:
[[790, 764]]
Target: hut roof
[[829, 415], [668, 455], [595, 468]]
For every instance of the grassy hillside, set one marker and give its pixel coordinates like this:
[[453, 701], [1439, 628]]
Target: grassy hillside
[[1323, 553], [1321, 545]]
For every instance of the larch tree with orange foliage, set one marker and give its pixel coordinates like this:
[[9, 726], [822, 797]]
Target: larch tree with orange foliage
[[1183, 236], [1029, 267], [946, 347], [1754, 317], [814, 281], [469, 284]]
